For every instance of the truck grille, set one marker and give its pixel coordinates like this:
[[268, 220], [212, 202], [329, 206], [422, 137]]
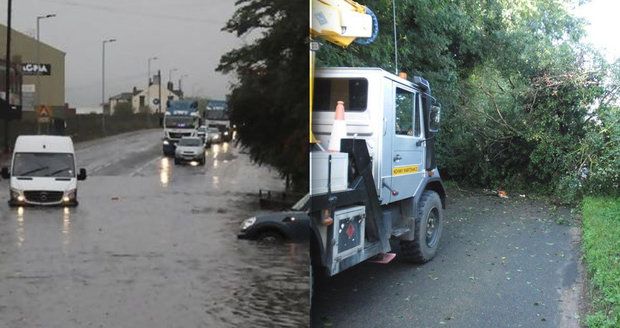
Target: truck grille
[[43, 196], [179, 135]]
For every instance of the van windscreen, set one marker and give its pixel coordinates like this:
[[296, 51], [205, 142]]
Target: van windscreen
[[59, 165]]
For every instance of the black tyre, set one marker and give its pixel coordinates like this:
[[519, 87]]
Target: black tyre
[[428, 229], [203, 161], [176, 161]]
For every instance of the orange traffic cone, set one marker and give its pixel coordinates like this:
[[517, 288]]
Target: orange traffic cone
[[339, 129]]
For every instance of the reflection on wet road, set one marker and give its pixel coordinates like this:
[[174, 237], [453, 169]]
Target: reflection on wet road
[[152, 244]]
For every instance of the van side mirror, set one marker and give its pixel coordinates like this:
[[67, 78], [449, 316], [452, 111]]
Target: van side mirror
[[434, 115], [5, 173], [82, 175]]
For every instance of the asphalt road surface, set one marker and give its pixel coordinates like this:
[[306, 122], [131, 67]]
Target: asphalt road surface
[[502, 263], [152, 244]]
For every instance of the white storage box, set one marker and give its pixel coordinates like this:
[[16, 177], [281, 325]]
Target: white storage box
[[319, 166]]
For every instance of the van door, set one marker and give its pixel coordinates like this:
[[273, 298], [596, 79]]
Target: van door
[[407, 150]]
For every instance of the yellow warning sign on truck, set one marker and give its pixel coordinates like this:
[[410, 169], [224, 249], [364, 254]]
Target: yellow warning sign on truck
[[403, 170]]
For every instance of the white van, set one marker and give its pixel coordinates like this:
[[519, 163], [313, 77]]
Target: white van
[[43, 172]]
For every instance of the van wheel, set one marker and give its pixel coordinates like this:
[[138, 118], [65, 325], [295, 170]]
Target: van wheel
[[428, 229]]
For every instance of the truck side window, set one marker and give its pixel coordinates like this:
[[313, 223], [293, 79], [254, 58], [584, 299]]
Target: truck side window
[[404, 112], [416, 117]]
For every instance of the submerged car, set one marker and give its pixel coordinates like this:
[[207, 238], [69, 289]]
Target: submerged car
[[287, 226], [189, 149], [43, 172]]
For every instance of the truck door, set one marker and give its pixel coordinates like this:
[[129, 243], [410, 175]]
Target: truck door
[[407, 150]]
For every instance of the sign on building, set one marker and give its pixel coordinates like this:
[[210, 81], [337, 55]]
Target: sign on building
[[28, 97], [36, 69]]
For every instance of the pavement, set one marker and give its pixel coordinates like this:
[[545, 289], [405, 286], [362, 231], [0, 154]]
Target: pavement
[[502, 263], [152, 244]]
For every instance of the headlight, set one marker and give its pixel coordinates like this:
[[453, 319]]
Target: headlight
[[225, 133], [17, 195], [166, 142], [69, 195], [216, 136], [248, 223]]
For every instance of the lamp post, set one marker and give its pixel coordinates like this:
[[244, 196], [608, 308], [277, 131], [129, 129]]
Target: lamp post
[[148, 87], [7, 81], [38, 63], [103, 82], [181, 82], [170, 73]]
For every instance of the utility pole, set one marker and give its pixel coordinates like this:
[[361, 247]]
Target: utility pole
[[159, 81], [103, 83], [7, 77], [148, 81]]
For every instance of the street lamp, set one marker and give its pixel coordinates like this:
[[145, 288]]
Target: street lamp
[[103, 82], [170, 73], [38, 63], [148, 81], [181, 82], [149, 67]]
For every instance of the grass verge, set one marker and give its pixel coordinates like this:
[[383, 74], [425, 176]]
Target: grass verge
[[601, 246]]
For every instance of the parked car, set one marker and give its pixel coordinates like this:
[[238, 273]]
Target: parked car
[[287, 226], [43, 172], [190, 149]]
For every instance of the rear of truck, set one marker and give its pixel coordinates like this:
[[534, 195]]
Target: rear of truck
[[383, 183]]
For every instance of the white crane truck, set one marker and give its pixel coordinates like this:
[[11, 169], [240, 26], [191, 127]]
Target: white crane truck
[[383, 183]]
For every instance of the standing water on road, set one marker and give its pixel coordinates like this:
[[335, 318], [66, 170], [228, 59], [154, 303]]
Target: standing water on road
[[152, 244]]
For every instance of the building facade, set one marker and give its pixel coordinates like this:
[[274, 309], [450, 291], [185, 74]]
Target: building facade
[[149, 99], [43, 80]]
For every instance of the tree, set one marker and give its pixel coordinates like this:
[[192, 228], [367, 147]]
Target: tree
[[269, 102], [523, 99]]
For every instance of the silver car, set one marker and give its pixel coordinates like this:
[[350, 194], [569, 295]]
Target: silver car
[[190, 149]]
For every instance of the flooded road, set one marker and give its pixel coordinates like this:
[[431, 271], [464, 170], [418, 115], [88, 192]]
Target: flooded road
[[152, 244]]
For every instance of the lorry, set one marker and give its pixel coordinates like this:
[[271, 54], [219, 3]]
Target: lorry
[[383, 184], [216, 116], [180, 120]]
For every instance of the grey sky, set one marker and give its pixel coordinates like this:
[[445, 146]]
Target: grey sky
[[184, 34]]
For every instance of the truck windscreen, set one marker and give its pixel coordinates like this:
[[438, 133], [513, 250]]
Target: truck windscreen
[[59, 165], [353, 91]]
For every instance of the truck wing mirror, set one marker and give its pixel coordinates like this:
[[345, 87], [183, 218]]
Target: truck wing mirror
[[434, 116], [5, 173], [82, 175]]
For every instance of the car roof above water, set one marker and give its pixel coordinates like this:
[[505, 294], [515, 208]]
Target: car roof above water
[[43, 144]]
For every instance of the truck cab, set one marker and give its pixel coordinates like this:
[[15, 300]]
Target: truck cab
[[383, 183], [180, 120]]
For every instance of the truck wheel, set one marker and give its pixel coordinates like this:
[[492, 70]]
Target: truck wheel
[[428, 228]]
